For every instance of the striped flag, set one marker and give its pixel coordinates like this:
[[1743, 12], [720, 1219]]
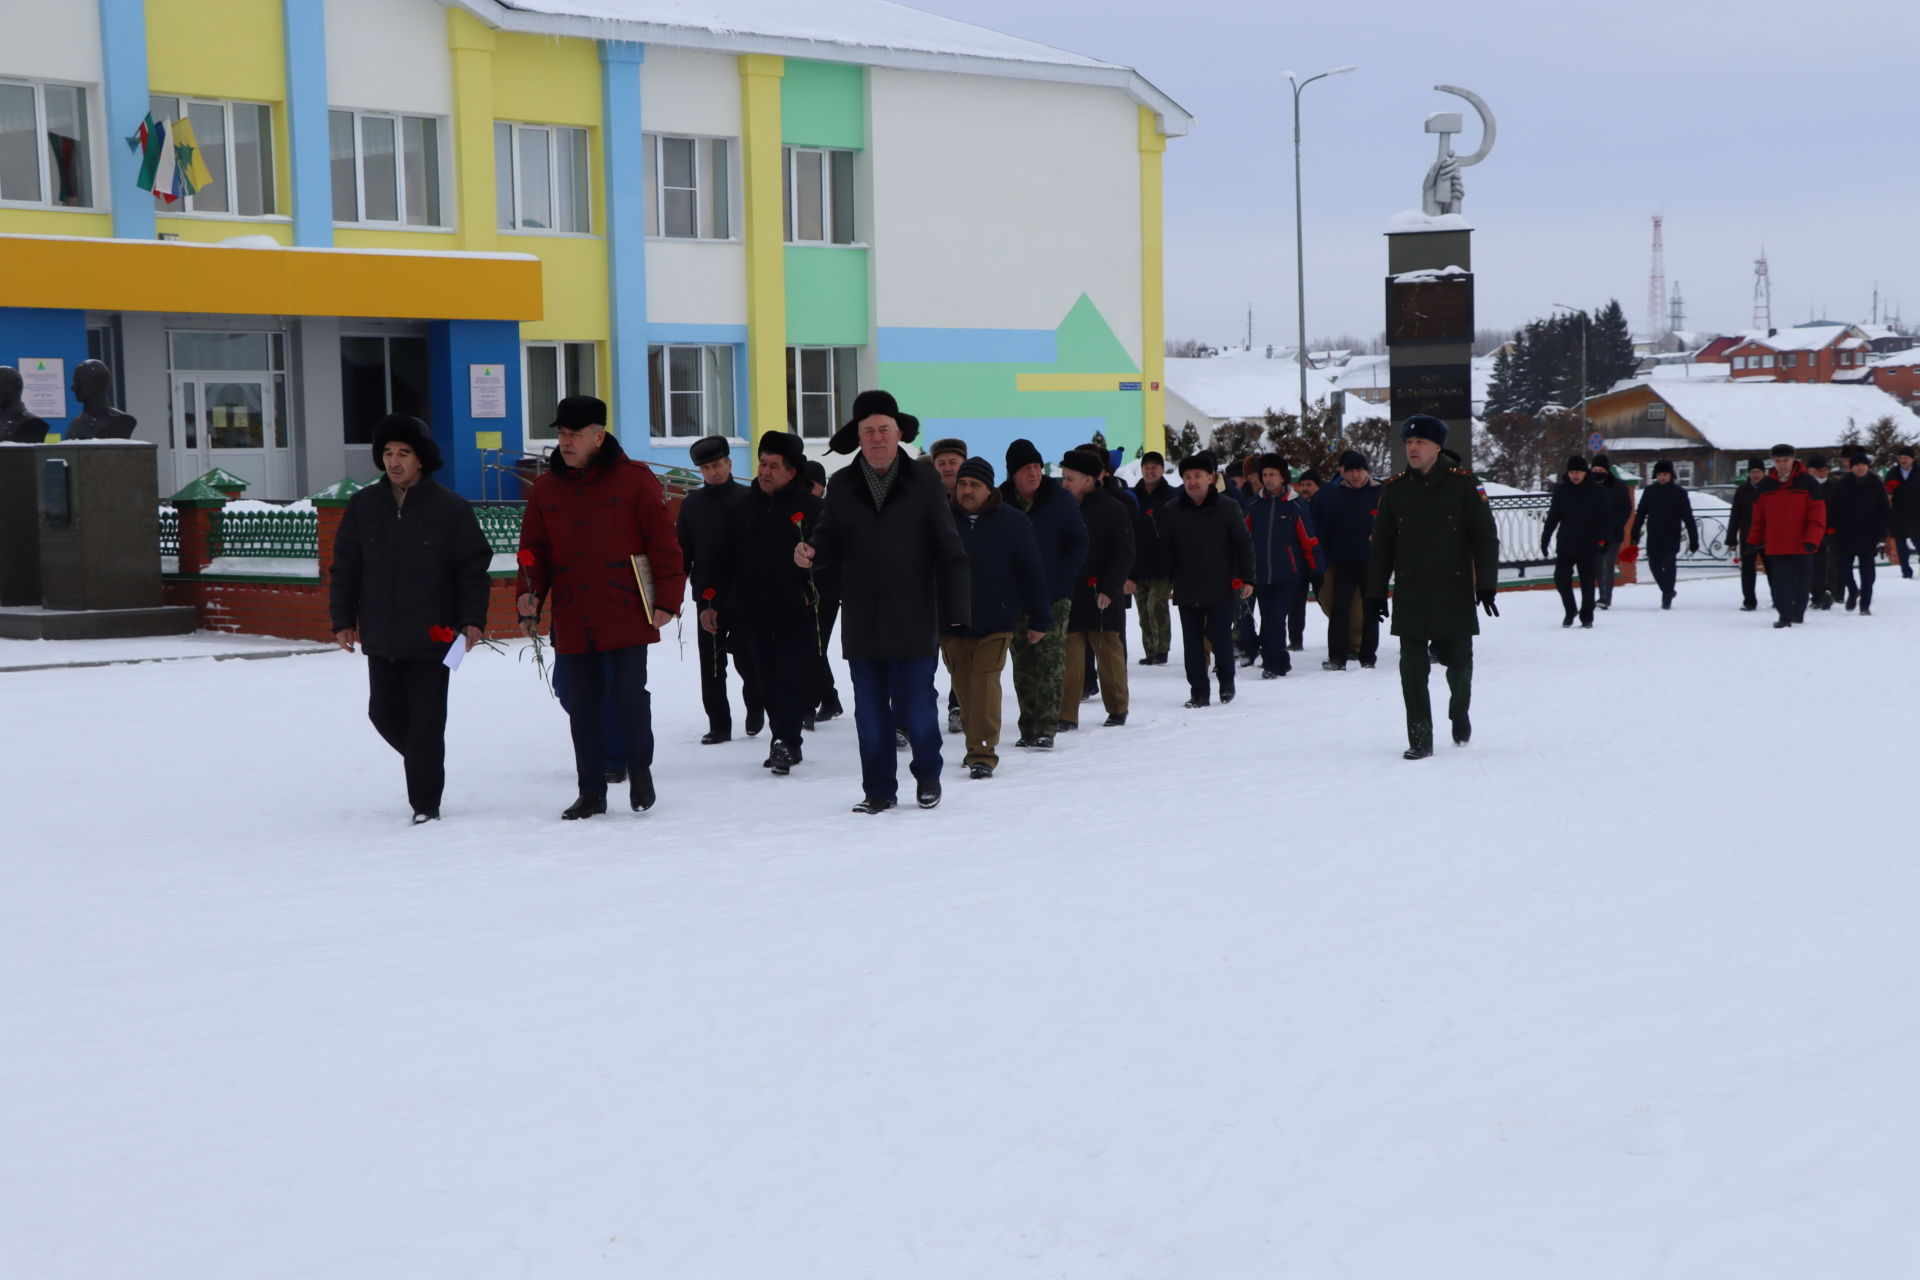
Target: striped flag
[[171, 165], [193, 171]]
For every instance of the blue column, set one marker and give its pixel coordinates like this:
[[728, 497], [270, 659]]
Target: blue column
[[123, 59], [623, 157], [453, 347], [304, 24]]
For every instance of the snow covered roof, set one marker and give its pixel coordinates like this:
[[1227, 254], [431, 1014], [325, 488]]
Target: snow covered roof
[[1687, 371], [1242, 384], [1898, 358], [1817, 338], [870, 32], [1744, 416]]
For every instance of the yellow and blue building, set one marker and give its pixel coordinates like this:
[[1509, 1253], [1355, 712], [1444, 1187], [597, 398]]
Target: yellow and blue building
[[721, 224]]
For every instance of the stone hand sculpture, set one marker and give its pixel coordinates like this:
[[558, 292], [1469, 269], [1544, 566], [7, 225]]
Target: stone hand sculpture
[[97, 420], [1443, 191], [17, 425]]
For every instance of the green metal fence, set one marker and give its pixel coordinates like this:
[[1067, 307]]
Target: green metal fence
[[295, 535]]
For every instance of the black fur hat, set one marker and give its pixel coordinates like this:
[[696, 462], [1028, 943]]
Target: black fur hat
[[400, 428]]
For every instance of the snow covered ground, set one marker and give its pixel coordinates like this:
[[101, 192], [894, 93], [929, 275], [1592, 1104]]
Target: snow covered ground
[[1623, 989]]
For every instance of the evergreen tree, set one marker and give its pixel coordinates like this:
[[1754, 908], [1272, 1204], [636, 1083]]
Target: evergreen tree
[[1183, 443], [1500, 397], [1610, 356]]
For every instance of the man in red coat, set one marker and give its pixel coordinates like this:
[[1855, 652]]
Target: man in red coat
[[586, 519], [1789, 522]]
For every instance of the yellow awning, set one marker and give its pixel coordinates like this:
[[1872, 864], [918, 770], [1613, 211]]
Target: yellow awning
[[174, 276]]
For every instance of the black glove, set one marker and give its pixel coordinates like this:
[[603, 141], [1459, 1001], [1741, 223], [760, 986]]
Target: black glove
[[1378, 608], [1693, 548], [1812, 547], [1544, 544], [1486, 602]]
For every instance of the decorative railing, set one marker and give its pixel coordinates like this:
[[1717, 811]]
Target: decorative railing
[[280, 535], [1521, 518], [501, 523], [169, 531]]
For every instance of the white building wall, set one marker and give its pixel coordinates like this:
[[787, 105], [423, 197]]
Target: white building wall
[[696, 282], [691, 93], [53, 42], [998, 202], [389, 55]]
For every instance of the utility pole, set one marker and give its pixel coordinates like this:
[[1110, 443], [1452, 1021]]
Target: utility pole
[[1299, 229]]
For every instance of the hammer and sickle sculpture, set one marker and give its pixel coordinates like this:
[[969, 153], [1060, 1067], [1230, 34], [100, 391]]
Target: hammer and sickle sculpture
[[1443, 190]]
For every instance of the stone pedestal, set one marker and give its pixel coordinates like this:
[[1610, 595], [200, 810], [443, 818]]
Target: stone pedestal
[[1430, 323], [99, 513], [19, 526]]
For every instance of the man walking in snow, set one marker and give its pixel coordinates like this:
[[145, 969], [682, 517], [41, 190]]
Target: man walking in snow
[[1739, 525], [1820, 564], [1903, 493], [1789, 520], [1039, 668], [409, 580], [1582, 511], [1285, 554], [1665, 509], [1096, 618], [702, 515], [1858, 513], [1210, 555], [1343, 515], [1151, 584], [1434, 541], [1619, 515]]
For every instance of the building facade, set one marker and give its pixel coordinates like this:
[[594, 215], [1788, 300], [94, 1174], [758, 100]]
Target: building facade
[[467, 211]]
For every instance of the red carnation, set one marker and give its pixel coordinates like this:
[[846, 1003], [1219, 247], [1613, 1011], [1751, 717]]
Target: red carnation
[[707, 594], [798, 517], [444, 635], [526, 558], [1237, 584], [1093, 582]]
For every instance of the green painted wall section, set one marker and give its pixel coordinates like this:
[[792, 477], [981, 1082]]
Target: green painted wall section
[[827, 297], [1085, 343], [823, 104]]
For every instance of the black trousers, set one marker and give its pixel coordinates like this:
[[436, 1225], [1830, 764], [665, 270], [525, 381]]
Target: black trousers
[[783, 654], [1200, 623], [1417, 656], [820, 679], [1904, 547], [407, 702], [1664, 562], [1864, 588], [1349, 579], [1788, 580], [1297, 615], [1749, 575], [1564, 567], [714, 648], [1274, 600], [1605, 569], [619, 677]]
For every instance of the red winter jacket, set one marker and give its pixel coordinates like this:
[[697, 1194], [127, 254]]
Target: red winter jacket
[[1789, 518], [580, 528]]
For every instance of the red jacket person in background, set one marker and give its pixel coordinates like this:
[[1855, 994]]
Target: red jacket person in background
[[1789, 521], [585, 520]]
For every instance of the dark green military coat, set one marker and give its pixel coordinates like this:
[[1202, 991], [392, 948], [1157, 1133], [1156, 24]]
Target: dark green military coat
[[1434, 537]]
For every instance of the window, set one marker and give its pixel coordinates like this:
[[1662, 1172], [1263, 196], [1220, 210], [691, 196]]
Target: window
[[236, 141], [386, 169], [1683, 473], [45, 158], [690, 181], [556, 370], [821, 382], [819, 195], [1656, 412], [690, 391], [1790, 360], [1739, 362], [103, 344], [378, 376], [540, 177], [1766, 362]]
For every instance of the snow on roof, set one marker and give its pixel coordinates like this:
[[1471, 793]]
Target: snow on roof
[[1814, 339], [1898, 358], [1242, 384], [1743, 416], [869, 31], [1712, 371], [1354, 408]]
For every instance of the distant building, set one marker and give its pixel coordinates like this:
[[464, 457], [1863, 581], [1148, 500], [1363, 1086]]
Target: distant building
[[1810, 353], [1899, 376]]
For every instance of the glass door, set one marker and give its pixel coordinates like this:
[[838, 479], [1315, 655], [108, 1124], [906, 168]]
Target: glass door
[[230, 421]]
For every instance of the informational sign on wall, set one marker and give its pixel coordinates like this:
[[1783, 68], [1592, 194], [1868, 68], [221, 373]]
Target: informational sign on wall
[[43, 386], [487, 390]]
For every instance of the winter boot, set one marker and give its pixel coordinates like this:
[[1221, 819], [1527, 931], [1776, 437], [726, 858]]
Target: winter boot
[[1462, 731], [900, 739], [1115, 720], [756, 721], [927, 794], [782, 759], [979, 771], [584, 807], [873, 804], [640, 790], [1331, 665], [953, 720], [829, 708], [713, 736]]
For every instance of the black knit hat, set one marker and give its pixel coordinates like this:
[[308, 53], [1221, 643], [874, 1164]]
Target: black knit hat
[[951, 444], [1904, 451], [1354, 460], [784, 444], [1022, 453], [1085, 461], [976, 469], [866, 405], [1780, 451], [1601, 461], [1756, 464], [400, 428], [1309, 476], [1816, 461], [1663, 465], [1424, 426], [1152, 456], [707, 449], [1201, 461], [1577, 463], [814, 472]]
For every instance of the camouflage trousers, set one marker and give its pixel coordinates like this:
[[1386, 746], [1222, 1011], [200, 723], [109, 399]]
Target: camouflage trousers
[[1156, 619], [1039, 670]]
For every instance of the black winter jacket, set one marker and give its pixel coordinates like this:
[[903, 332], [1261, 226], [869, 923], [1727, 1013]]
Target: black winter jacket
[[1003, 569], [703, 513], [902, 567], [1208, 547], [1149, 555], [751, 563], [1858, 514], [1665, 509], [1058, 530], [402, 569], [1109, 561], [1343, 516], [1619, 502], [1583, 513], [1740, 519]]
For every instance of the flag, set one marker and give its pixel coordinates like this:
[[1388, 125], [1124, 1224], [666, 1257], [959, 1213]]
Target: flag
[[166, 172], [193, 169], [149, 141]]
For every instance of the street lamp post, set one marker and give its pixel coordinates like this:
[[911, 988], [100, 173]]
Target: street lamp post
[[1299, 229], [1583, 367]]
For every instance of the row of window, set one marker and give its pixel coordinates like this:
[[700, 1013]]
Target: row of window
[[1791, 360], [391, 170]]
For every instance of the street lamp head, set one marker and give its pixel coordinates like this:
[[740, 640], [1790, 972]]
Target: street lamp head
[[1340, 71], [1287, 74]]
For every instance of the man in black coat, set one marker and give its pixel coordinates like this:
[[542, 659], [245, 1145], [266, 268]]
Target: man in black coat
[[1665, 509], [768, 596], [408, 581], [1007, 585], [1039, 670], [1820, 563], [1859, 514], [1151, 586], [1739, 521], [1097, 617], [1583, 512], [1343, 515], [702, 514], [1210, 557], [889, 528], [823, 698], [1903, 496], [1620, 514]]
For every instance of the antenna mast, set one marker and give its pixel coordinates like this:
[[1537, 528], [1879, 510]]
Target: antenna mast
[[1657, 324], [1762, 293]]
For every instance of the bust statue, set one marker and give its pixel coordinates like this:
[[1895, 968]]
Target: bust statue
[[17, 425], [97, 420]]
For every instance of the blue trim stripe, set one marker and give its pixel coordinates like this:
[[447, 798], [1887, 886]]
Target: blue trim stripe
[[900, 345], [624, 160], [123, 60], [304, 26]]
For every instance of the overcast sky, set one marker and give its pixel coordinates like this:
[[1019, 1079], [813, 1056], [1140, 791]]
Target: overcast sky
[[1784, 124]]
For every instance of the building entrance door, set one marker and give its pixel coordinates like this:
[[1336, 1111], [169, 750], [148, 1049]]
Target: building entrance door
[[229, 410]]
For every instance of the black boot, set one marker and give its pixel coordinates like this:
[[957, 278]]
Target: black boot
[[713, 736], [1462, 731], [584, 807], [756, 721], [640, 790], [928, 793], [782, 759], [873, 804], [829, 708]]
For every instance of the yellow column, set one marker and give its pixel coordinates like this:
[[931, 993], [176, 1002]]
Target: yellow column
[[761, 191], [1153, 287], [471, 42]]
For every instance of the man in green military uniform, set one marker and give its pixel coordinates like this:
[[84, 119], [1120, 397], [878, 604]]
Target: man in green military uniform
[[1434, 537]]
